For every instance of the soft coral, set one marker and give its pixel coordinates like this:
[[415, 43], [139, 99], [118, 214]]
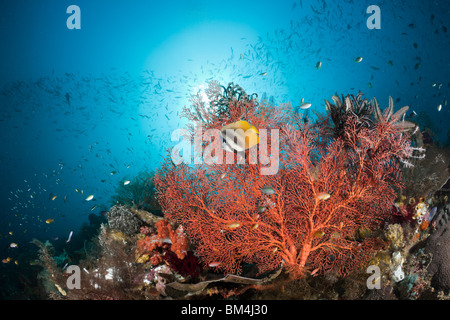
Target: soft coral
[[176, 240]]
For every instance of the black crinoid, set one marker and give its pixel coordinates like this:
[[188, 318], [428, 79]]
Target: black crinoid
[[347, 107], [231, 94], [366, 112]]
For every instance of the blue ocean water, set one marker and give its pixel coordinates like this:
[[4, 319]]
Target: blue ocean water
[[90, 108]]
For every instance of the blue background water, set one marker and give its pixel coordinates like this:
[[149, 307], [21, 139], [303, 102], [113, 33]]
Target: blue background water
[[133, 65]]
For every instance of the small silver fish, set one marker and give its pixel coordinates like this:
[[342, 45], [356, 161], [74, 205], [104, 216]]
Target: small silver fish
[[305, 105], [261, 209], [268, 190], [412, 114], [358, 60], [214, 264], [233, 225], [70, 236], [322, 196]]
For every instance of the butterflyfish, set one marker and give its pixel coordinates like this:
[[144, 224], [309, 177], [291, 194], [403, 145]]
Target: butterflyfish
[[239, 136]]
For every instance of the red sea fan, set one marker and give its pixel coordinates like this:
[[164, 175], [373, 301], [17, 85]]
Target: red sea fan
[[303, 217], [360, 181]]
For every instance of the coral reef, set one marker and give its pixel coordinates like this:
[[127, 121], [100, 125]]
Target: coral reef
[[122, 219], [403, 264], [119, 265], [51, 276], [306, 215], [429, 174], [308, 231]]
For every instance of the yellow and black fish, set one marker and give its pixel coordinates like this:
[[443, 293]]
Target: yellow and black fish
[[239, 136]]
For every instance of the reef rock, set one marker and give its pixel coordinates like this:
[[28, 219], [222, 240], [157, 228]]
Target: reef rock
[[438, 244], [123, 220], [146, 216]]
